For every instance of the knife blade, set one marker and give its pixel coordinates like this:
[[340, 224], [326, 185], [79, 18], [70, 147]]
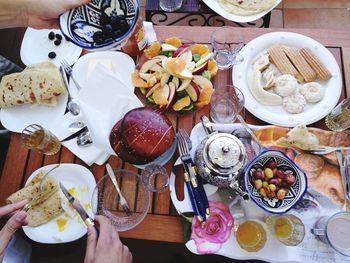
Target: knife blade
[[343, 171], [76, 134], [79, 208]]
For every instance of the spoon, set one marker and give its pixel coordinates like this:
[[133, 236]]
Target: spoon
[[84, 139], [76, 126], [72, 106]]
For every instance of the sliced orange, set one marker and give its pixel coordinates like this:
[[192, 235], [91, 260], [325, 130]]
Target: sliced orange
[[212, 67], [159, 98], [182, 103], [199, 49], [175, 65], [153, 50], [137, 81], [174, 41], [204, 96]]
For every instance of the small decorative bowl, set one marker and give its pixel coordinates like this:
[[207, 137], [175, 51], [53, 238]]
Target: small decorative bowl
[[80, 24], [296, 190]]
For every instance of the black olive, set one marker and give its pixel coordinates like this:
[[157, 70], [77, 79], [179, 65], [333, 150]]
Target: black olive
[[67, 38], [98, 37], [104, 20], [108, 29], [51, 35], [52, 55], [57, 42], [59, 36]]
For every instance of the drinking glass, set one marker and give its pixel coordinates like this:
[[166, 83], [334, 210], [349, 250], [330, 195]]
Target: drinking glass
[[170, 5], [339, 118], [251, 236], [37, 138], [225, 104], [334, 231], [227, 42], [155, 178], [288, 229]]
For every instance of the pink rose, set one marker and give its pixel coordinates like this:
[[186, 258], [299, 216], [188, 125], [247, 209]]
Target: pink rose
[[210, 236]]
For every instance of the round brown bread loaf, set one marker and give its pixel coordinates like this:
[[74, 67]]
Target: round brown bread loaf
[[147, 131]]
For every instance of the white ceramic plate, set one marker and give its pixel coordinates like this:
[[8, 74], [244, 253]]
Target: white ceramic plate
[[276, 114], [122, 66], [70, 175], [36, 46], [215, 6], [17, 118]]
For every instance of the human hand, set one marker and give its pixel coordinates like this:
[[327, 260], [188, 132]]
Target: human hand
[[107, 247], [44, 14], [17, 220]]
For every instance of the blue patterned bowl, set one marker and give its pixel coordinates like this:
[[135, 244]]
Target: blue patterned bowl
[[80, 24], [296, 190]]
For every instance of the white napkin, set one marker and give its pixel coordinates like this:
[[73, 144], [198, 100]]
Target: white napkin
[[149, 32]]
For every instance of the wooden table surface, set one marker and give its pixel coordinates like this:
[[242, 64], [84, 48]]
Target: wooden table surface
[[162, 222]]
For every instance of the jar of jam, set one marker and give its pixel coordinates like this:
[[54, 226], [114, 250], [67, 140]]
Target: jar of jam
[[137, 41]]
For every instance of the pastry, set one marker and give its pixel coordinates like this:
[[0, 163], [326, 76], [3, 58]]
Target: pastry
[[312, 92], [300, 63], [294, 103], [262, 62], [268, 77], [320, 69], [246, 7], [311, 164], [285, 85]]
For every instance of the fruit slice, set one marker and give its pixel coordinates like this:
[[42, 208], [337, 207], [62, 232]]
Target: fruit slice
[[153, 50], [193, 91], [174, 41], [137, 81], [159, 97], [149, 63], [175, 65], [204, 59], [184, 85], [187, 56], [176, 82], [185, 74], [200, 69], [167, 47], [156, 68], [172, 89], [151, 90], [202, 82], [164, 79], [204, 96], [200, 49], [182, 103], [151, 81], [212, 67], [145, 76], [181, 49]]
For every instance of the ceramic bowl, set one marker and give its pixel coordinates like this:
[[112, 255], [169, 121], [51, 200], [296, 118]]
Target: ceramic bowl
[[296, 190], [80, 24]]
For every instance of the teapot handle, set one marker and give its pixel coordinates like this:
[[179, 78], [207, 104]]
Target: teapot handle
[[207, 125], [235, 186]]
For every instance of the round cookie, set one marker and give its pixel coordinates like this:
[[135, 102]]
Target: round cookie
[[294, 103], [285, 85], [312, 92]]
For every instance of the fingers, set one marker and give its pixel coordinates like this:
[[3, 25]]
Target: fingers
[[105, 229], [127, 256], [90, 245], [15, 222], [8, 209]]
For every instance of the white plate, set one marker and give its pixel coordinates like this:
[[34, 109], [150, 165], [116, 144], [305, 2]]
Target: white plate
[[70, 175], [17, 118], [122, 66], [276, 114], [215, 6], [36, 46]]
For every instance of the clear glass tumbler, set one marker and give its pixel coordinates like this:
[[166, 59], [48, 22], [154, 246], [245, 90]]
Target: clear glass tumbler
[[155, 178], [170, 5], [225, 104], [251, 236], [227, 42], [339, 118], [35, 137]]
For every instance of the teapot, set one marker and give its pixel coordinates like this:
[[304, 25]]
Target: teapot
[[220, 158]]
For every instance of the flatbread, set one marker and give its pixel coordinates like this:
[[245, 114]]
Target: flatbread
[[38, 84], [246, 7]]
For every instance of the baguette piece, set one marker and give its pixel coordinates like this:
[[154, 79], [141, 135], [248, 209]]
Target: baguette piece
[[280, 59], [320, 69], [300, 63]]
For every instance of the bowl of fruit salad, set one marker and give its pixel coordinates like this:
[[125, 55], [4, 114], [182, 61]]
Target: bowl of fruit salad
[[101, 24], [274, 182], [175, 75]]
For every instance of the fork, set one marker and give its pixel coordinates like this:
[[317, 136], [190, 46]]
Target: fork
[[30, 204], [68, 69], [320, 150]]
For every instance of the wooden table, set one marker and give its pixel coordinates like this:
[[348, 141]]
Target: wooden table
[[162, 222]]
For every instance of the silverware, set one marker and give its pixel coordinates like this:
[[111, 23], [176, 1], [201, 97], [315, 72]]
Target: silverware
[[122, 200], [76, 126], [29, 205], [76, 134], [347, 180], [84, 139], [79, 208], [67, 68], [327, 149], [72, 105], [344, 176]]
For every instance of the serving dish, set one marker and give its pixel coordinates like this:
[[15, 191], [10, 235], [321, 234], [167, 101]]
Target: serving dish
[[72, 176], [276, 114]]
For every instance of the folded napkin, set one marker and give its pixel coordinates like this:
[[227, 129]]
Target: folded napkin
[[149, 32]]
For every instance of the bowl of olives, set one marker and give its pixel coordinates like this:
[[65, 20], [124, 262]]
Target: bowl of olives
[[274, 182], [101, 24]]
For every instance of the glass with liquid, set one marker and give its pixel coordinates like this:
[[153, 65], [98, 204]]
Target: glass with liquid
[[227, 42], [226, 103], [251, 236], [37, 138], [335, 231], [155, 177], [170, 5], [339, 118], [288, 229]]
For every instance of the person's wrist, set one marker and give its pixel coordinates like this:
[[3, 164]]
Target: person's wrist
[[13, 13]]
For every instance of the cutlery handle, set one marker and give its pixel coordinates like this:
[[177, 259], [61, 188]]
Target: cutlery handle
[[192, 197], [203, 195], [76, 134], [199, 202]]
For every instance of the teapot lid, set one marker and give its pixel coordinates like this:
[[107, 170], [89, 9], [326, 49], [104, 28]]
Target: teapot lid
[[224, 153]]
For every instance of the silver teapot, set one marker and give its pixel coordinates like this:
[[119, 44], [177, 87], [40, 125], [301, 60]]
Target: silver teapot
[[220, 159]]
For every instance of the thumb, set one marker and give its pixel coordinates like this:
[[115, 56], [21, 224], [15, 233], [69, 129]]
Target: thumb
[[90, 245], [15, 222], [76, 3]]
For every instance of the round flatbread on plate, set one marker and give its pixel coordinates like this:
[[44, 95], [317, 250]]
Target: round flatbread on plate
[[312, 112]]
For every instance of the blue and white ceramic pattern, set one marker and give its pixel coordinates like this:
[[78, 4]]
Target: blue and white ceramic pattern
[[80, 24], [295, 193]]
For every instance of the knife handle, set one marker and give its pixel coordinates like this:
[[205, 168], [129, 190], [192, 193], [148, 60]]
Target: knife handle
[[91, 223], [199, 202], [192, 197], [203, 195]]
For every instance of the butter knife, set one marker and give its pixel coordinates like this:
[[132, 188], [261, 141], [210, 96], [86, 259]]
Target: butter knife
[[343, 177], [79, 208]]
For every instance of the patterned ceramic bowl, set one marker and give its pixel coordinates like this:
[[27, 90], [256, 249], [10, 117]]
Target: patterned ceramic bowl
[[80, 24], [296, 189]]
